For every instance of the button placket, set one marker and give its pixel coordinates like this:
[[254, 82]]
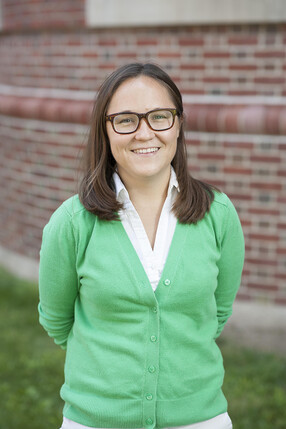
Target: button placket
[[151, 372]]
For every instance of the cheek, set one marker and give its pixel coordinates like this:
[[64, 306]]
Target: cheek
[[117, 147]]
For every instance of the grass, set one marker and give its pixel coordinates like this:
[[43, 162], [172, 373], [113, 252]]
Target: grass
[[31, 371]]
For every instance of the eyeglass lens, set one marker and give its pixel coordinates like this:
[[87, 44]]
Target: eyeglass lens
[[158, 120]]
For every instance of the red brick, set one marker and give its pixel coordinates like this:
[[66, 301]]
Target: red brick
[[243, 40], [268, 159], [239, 145], [217, 54], [216, 79], [244, 296], [230, 119], [188, 41], [270, 54], [264, 237], [193, 66], [108, 42], [193, 91], [270, 288], [281, 276], [90, 54], [270, 80], [147, 41], [266, 186], [242, 92], [281, 251], [243, 67], [237, 170], [107, 66], [240, 197], [272, 120], [220, 184], [245, 223], [261, 212], [126, 54], [169, 54], [280, 301]]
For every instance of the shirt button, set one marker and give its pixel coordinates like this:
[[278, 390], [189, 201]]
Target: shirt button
[[154, 309], [149, 396], [151, 368], [153, 338], [149, 421], [167, 282]]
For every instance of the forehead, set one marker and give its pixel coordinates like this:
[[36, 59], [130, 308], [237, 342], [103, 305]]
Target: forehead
[[140, 94]]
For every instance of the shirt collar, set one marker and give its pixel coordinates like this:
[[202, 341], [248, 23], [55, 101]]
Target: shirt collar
[[122, 194], [120, 190]]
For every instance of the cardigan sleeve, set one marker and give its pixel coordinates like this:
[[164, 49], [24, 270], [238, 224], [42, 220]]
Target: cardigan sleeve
[[58, 280], [230, 265]]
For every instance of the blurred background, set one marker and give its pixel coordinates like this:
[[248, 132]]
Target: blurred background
[[227, 57]]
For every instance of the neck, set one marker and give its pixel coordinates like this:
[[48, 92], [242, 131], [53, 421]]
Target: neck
[[147, 191]]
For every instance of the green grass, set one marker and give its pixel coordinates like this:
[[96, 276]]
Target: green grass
[[31, 366], [31, 371]]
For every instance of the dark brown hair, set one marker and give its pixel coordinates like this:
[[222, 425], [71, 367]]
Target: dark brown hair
[[96, 191]]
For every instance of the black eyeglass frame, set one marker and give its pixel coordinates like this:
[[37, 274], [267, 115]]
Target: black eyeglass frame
[[142, 116]]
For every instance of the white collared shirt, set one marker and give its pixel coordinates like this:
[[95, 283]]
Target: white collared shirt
[[153, 260]]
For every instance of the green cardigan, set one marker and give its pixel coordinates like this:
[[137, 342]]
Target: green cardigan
[[136, 358]]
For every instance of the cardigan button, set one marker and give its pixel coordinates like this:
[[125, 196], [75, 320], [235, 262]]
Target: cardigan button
[[151, 368], [153, 338], [149, 421], [149, 396], [154, 309], [167, 282]]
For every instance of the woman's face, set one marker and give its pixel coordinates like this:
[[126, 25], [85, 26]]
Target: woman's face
[[141, 95]]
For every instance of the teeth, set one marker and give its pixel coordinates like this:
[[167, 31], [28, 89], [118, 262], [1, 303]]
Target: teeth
[[150, 150]]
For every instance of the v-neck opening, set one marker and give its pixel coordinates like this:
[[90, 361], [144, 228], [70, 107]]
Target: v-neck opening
[[135, 262]]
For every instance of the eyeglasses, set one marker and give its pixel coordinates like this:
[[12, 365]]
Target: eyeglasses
[[128, 122]]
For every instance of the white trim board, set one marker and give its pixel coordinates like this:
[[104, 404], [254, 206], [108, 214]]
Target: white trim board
[[114, 13]]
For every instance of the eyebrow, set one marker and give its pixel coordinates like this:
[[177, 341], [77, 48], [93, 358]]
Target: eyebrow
[[132, 111]]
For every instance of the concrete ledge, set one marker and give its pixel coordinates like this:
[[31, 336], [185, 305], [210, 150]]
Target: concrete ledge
[[19, 265], [254, 325], [257, 326], [114, 13]]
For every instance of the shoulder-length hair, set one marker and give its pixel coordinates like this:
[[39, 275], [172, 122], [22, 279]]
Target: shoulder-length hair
[[97, 191]]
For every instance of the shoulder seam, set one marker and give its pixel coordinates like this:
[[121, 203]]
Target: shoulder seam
[[223, 203], [73, 212]]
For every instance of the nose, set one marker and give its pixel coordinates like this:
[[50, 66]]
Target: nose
[[144, 132]]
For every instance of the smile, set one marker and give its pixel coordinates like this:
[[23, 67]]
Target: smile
[[149, 150]]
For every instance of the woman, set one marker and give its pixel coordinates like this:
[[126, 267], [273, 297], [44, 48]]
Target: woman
[[138, 273]]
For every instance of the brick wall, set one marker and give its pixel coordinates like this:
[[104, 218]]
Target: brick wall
[[38, 14], [232, 60], [253, 174], [236, 131]]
